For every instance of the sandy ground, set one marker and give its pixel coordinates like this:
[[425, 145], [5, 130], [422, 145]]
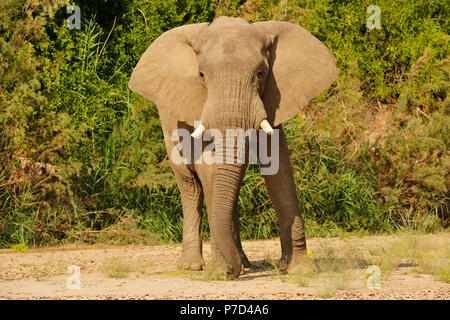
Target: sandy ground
[[42, 274]]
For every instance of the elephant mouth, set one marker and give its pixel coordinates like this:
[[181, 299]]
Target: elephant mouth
[[200, 129], [237, 147]]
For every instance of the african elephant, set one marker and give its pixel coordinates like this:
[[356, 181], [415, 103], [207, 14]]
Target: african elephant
[[231, 74]]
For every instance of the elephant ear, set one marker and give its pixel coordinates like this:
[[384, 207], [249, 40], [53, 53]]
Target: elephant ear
[[300, 68], [167, 74]]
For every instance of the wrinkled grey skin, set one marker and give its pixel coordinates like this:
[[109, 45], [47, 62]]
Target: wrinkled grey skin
[[232, 74]]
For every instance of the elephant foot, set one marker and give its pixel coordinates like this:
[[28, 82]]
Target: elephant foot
[[219, 263], [193, 262], [297, 259], [290, 263]]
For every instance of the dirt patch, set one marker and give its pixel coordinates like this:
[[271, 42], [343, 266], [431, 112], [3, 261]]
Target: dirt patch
[[149, 272]]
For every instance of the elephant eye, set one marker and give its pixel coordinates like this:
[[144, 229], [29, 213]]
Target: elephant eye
[[202, 75], [260, 74]]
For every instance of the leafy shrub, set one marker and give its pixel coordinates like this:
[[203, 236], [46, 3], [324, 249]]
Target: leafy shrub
[[80, 153]]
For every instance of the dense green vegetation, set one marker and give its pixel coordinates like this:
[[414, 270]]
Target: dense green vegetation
[[83, 158]]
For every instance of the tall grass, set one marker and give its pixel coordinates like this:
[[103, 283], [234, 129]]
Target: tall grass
[[83, 159]]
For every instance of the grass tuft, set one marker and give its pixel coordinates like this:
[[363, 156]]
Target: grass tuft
[[20, 247], [116, 268]]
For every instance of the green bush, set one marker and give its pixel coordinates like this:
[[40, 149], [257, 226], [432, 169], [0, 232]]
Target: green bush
[[82, 156]]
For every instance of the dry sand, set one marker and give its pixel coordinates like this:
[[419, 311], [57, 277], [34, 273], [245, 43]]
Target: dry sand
[[42, 274]]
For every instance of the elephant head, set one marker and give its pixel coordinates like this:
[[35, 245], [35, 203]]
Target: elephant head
[[231, 74]]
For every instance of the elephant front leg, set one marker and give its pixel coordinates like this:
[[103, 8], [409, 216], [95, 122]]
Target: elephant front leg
[[192, 201], [282, 192]]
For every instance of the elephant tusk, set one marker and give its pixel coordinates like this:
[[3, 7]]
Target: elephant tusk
[[266, 127], [198, 132]]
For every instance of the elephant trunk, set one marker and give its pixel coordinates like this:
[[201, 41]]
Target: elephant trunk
[[226, 193], [233, 106]]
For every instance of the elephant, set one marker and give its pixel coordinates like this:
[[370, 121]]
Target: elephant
[[231, 74]]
